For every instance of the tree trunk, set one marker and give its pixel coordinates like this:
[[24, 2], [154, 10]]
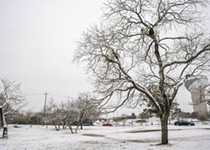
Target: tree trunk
[[164, 129], [57, 127], [5, 132], [64, 125], [4, 124], [72, 132], [81, 125], [1, 116], [76, 129]]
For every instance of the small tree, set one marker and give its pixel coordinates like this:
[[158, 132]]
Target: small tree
[[55, 114], [146, 114], [85, 108], [142, 44], [133, 116], [73, 112], [10, 99]]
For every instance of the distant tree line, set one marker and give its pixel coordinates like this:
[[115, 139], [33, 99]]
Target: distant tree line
[[26, 118], [124, 117]]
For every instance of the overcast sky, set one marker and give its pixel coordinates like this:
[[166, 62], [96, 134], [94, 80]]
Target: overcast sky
[[37, 42]]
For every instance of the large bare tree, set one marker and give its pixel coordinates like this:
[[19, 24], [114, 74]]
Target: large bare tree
[[144, 49], [10, 99]]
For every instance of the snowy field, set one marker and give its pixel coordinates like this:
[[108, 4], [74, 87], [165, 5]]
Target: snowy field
[[106, 138]]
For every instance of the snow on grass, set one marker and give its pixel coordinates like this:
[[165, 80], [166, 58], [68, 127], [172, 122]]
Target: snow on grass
[[106, 138]]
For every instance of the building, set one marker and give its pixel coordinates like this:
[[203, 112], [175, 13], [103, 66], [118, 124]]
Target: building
[[197, 87]]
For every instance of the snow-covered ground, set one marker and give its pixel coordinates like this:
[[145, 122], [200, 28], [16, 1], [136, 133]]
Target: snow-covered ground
[[106, 138]]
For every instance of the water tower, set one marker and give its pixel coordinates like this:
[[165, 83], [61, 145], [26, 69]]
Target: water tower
[[197, 87]]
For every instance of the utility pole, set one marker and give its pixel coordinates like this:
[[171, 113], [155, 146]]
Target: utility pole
[[45, 103]]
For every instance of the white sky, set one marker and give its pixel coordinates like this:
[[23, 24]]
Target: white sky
[[37, 42]]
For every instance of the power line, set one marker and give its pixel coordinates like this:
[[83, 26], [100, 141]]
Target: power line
[[33, 94], [54, 95]]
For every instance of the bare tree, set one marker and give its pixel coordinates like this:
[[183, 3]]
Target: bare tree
[[86, 108], [56, 114], [10, 99], [142, 44], [63, 114], [73, 112]]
